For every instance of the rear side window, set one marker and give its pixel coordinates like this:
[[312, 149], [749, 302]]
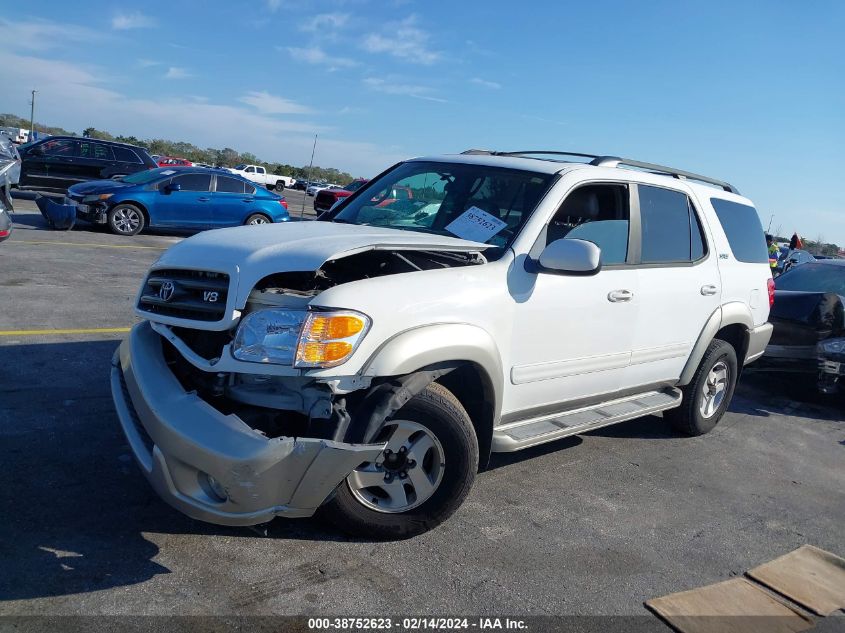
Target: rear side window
[[670, 229], [193, 182], [102, 152], [124, 155], [59, 147], [229, 185], [249, 189], [745, 233]]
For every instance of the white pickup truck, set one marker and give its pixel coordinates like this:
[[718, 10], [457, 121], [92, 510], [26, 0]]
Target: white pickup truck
[[257, 174]]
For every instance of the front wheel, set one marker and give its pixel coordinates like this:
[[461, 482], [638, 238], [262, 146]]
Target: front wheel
[[707, 396], [280, 186], [424, 474], [126, 219]]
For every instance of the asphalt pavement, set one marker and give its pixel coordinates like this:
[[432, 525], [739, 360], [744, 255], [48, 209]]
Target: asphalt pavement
[[589, 525]]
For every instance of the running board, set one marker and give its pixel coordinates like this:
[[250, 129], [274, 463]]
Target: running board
[[524, 433]]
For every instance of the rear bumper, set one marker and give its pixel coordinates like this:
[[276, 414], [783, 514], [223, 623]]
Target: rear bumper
[[758, 339], [178, 440]]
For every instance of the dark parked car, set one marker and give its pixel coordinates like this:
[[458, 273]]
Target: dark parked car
[[809, 323], [187, 198], [789, 258], [61, 161], [326, 198]]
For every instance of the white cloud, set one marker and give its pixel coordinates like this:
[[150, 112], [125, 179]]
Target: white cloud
[[134, 20], [177, 72], [325, 22], [493, 85], [317, 56], [274, 5], [403, 40], [148, 63], [41, 35], [408, 90], [73, 97], [271, 104]]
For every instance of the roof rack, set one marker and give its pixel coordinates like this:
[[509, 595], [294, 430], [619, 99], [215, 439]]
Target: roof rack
[[615, 161]]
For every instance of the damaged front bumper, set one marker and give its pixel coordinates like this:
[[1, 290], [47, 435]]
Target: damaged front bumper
[[214, 467]]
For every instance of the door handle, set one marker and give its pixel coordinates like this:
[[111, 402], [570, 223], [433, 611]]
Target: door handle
[[709, 290], [619, 296], [247, 199], [203, 199]]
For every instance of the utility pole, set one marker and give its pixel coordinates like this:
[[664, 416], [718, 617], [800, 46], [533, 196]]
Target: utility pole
[[310, 167], [769, 228], [32, 116]]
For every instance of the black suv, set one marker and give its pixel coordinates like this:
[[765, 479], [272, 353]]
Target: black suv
[[61, 161]]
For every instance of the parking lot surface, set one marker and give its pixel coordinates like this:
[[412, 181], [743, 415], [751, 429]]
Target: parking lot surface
[[589, 525]]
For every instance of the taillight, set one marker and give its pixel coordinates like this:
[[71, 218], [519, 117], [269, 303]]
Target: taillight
[[284, 203], [4, 233], [771, 285]]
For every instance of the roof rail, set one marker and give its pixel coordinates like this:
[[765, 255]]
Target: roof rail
[[484, 152], [615, 161]]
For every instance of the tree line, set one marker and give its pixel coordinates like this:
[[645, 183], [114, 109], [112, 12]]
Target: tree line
[[226, 157]]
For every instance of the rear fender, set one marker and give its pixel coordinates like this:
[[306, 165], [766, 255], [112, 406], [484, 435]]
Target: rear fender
[[728, 314]]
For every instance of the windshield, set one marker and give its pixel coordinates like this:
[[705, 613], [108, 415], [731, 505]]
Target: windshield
[[240, 167], [355, 185], [143, 177], [473, 202], [814, 278]]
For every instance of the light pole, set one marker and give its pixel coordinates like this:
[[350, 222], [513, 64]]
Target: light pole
[[769, 228], [310, 167], [32, 116]]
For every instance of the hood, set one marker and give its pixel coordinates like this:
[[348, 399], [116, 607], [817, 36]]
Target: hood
[[804, 318], [250, 253], [97, 186]]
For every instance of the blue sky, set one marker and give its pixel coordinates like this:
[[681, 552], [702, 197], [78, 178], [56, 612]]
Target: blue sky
[[750, 92]]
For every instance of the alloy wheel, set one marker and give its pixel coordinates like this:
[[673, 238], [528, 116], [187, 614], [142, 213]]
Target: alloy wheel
[[714, 390], [405, 475], [127, 220]]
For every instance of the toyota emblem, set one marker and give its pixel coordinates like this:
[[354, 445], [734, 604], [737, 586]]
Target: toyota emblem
[[166, 291]]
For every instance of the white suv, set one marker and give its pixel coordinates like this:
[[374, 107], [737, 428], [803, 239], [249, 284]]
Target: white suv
[[368, 363]]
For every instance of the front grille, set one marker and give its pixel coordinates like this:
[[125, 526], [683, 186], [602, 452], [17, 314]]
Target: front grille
[[186, 294]]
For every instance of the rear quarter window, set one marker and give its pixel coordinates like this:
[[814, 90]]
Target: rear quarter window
[[743, 229]]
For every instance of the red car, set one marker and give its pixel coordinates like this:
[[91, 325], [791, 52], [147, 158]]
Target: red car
[[325, 199], [169, 161]]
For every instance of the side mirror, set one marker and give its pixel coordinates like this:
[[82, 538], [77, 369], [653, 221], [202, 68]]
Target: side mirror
[[570, 257], [173, 186]]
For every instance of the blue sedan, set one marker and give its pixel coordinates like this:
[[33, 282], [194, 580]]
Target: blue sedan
[[186, 198]]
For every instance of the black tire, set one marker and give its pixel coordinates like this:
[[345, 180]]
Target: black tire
[[126, 219], [689, 419], [280, 185], [258, 218], [440, 412]]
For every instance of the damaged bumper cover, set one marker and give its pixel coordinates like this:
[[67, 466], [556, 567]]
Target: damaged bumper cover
[[214, 467]]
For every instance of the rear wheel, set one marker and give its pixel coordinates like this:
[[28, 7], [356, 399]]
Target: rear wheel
[[126, 219], [707, 396], [421, 478], [257, 218]]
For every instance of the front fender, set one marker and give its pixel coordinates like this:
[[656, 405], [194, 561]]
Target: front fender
[[428, 345]]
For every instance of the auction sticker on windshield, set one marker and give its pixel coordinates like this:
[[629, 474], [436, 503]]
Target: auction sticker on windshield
[[475, 225]]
